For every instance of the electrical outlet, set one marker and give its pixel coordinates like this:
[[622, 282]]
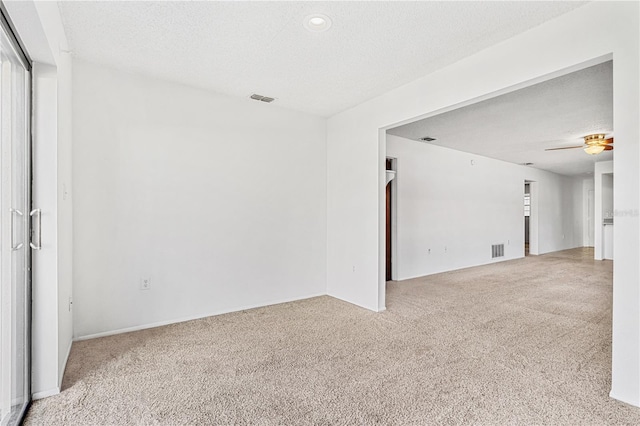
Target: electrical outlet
[[354, 269], [145, 283]]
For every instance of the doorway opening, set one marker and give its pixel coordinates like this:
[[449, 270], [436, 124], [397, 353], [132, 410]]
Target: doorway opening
[[527, 216], [390, 216], [531, 241], [547, 203]]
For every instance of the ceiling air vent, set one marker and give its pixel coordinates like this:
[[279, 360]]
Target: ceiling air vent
[[427, 139], [266, 99]]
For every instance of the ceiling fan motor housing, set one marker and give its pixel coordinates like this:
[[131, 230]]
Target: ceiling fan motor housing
[[597, 139]]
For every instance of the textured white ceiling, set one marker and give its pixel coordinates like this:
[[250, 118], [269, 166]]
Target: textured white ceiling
[[240, 48], [519, 126]]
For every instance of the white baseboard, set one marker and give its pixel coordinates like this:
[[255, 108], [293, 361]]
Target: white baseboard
[[354, 303], [614, 396], [190, 318], [63, 366], [45, 394]]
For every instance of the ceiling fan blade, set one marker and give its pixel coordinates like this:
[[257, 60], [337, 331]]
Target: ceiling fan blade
[[608, 148], [564, 147]]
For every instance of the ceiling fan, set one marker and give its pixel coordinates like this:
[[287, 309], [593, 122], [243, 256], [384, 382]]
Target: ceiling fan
[[593, 144]]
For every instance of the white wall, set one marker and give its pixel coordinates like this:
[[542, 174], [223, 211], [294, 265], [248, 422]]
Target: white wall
[[607, 196], [65, 212], [579, 198], [557, 212], [607, 214], [588, 202], [220, 201], [603, 198], [44, 360], [356, 146], [39, 26], [579, 202], [452, 206]]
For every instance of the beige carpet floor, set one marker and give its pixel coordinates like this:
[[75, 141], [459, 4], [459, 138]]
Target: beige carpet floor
[[524, 342]]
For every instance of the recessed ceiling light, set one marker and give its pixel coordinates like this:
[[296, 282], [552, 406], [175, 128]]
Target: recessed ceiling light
[[317, 23]]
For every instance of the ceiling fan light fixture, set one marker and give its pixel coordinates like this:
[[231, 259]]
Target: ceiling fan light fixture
[[595, 143], [594, 149]]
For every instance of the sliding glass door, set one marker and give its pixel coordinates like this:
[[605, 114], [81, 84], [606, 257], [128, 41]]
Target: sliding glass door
[[15, 203]]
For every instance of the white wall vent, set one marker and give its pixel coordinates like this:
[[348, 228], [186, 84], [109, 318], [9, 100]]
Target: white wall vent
[[427, 139], [497, 250], [266, 99]]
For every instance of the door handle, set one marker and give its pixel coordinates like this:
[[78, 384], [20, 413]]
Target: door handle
[[13, 212], [37, 246]]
